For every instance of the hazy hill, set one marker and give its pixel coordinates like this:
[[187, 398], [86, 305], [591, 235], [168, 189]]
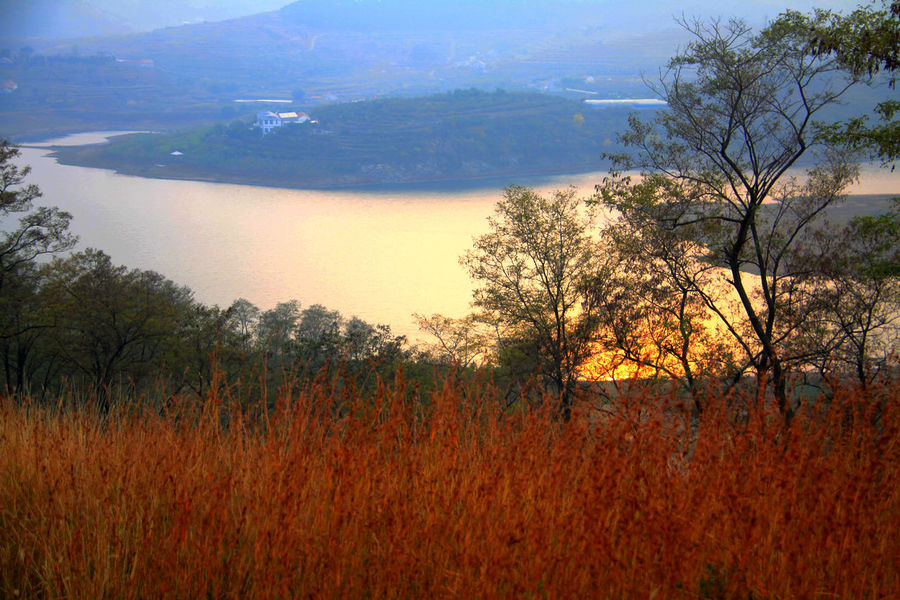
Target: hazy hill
[[23, 19], [57, 19], [330, 51], [463, 135], [361, 48], [399, 15], [326, 51]]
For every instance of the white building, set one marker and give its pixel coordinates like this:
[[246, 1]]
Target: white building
[[267, 120]]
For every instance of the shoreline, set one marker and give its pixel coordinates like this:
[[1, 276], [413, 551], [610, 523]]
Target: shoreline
[[491, 181], [68, 155]]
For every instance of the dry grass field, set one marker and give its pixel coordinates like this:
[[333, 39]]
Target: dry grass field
[[406, 496]]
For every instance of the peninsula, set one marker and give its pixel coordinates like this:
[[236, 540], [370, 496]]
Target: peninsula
[[457, 136]]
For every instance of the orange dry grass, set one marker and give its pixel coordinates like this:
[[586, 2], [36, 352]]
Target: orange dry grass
[[454, 501]]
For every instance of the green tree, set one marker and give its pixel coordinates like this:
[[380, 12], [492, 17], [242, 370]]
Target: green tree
[[25, 326], [532, 270], [856, 284], [363, 341], [319, 336], [651, 319], [40, 231], [113, 324], [245, 316], [866, 42], [276, 328], [212, 349], [741, 112], [317, 322]]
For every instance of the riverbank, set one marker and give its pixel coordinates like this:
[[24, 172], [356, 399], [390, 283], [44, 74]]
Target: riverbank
[[465, 137], [78, 157], [876, 184]]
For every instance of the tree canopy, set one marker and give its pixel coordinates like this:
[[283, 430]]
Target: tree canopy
[[40, 230], [866, 43], [532, 270], [719, 172]]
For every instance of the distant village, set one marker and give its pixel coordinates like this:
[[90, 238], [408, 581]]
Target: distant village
[[267, 120]]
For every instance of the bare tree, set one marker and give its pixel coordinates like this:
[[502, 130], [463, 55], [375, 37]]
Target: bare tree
[[740, 115], [461, 343], [533, 270]]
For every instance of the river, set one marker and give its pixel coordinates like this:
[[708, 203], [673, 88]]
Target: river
[[380, 255], [377, 254]]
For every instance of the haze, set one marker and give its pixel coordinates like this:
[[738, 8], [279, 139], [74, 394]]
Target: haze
[[82, 18]]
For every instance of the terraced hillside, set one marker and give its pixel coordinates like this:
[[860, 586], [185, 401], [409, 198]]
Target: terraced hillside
[[455, 136]]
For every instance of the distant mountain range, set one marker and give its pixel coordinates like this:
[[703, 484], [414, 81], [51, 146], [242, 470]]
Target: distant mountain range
[[23, 19], [365, 47], [319, 51]]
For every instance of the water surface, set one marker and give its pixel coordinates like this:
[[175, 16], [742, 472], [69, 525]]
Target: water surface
[[381, 255]]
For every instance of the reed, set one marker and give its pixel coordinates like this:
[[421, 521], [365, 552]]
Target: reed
[[397, 494]]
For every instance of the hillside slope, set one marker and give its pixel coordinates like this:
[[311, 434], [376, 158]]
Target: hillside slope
[[464, 135]]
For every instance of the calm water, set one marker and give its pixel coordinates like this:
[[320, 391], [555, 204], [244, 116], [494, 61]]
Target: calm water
[[380, 255]]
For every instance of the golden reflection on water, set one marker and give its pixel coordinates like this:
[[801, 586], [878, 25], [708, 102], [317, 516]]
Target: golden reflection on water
[[381, 255]]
